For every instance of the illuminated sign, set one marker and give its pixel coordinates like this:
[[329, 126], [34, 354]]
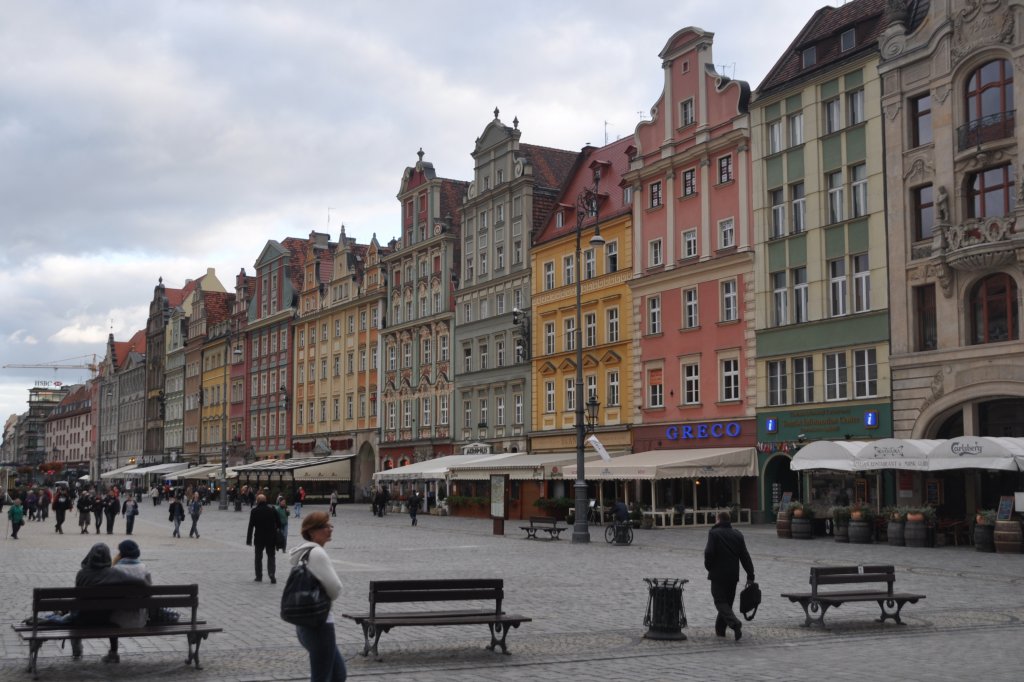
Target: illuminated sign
[[871, 419], [771, 425], [702, 431]]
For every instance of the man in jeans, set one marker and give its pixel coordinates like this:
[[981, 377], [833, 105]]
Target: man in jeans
[[300, 497], [724, 553]]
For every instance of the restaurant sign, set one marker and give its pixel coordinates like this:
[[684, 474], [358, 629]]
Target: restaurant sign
[[703, 431]]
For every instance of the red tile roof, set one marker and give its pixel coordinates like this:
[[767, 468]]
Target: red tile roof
[[296, 248], [868, 17], [217, 305], [613, 162], [551, 167]]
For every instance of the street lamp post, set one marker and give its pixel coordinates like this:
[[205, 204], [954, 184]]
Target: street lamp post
[[586, 206], [228, 353]]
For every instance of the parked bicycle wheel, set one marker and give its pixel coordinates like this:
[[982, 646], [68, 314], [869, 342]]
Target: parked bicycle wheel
[[609, 534]]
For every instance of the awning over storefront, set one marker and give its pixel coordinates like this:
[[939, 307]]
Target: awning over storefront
[[432, 469], [519, 467], [118, 473], [165, 468], [978, 452], [336, 468], [965, 452], [656, 465], [203, 472]]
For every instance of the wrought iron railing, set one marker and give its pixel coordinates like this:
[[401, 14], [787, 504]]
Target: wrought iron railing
[[985, 129]]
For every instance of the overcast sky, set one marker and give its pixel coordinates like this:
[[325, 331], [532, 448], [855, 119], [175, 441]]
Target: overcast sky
[[159, 138]]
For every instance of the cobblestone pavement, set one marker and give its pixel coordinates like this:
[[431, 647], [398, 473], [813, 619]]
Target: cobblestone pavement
[[587, 603]]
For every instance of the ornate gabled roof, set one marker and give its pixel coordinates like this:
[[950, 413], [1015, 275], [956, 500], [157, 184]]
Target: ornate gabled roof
[[217, 305]]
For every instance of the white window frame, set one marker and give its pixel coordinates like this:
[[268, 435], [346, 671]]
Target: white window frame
[[795, 128], [777, 200], [549, 275], [774, 135], [654, 194], [859, 190], [589, 264], [612, 395], [861, 282], [655, 254], [689, 242], [654, 314], [730, 301], [690, 372], [611, 257], [800, 295], [729, 388], [780, 298], [865, 373], [655, 392], [834, 183], [570, 394], [691, 308], [569, 269], [726, 233], [687, 113], [837, 286], [589, 330], [778, 380], [855, 107], [798, 198], [803, 380], [569, 327], [549, 338], [612, 327], [831, 115], [836, 377]]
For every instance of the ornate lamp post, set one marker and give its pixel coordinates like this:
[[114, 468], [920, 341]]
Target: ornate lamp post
[[228, 353], [586, 206]]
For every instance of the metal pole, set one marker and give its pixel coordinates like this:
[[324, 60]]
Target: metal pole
[[580, 530], [224, 429]]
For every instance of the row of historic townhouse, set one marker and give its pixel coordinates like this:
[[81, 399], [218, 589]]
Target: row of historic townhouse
[[772, 267]]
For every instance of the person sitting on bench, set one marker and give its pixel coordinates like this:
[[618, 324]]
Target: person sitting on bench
[[96, 570]]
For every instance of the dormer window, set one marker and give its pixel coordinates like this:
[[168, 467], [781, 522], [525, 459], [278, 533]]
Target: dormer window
[[808, 57], [559, 219], [848, 40]]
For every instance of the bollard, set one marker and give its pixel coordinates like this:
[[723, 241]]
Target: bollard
[[666, 615]]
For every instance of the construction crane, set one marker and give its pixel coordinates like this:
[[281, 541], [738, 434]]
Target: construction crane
[[58, 364]]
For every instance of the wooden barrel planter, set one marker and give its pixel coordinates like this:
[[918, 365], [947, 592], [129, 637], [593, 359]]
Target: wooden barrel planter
[[915, 534], [782, 527], [800, 528], [842, 532], [984, 538], [1008, 538], [894, 532], [862, 532]]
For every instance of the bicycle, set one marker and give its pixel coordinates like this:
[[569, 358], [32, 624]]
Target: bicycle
[[620, 532]]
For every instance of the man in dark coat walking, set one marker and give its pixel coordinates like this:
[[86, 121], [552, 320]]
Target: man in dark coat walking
[[724, 553], [263, 526]]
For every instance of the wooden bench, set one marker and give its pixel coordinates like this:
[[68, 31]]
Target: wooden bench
[[817, 602], [374, 624], [112, 598], [548, 524]]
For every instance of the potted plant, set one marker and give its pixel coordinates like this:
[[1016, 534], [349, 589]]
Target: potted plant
[[800, 523], [636, 516], [897, 519], [915, 533], [862, 525], [841, 523], [984, 530]]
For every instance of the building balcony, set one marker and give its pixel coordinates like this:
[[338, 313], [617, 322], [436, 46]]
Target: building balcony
[[986, 129], [981, 243]]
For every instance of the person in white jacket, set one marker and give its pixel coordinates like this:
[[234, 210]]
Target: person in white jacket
[[325, 661]]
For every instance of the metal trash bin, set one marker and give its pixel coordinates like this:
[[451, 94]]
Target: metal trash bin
[[666, 615]]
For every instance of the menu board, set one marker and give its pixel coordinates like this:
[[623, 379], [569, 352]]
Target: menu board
[[499, 483], [1005, 510]]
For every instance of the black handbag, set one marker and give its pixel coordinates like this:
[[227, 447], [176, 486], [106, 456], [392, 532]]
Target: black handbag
[[750, 599], [303, 601]]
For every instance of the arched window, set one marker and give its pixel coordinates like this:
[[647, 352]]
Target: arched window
[[988, 104], [994, 310], [992, 192]]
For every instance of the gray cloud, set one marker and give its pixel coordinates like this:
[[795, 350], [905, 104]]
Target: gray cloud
[[153, 139]]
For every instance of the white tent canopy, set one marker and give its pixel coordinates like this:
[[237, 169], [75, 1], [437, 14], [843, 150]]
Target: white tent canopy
[[965, 452], [520, 467], [656, 465], [334, 468], [205, 471], [156, 469], [118, 473], [432, 469]]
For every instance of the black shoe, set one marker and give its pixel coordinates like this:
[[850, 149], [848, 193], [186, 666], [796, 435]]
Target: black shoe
[[111, 658], [738, 630], [720, 633], [257, 579], [273, 581]]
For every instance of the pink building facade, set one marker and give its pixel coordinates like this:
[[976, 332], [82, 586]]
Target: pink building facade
[[693, 263]]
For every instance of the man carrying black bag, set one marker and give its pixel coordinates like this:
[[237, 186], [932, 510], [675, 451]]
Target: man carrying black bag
[[263, 526], [724, 553]]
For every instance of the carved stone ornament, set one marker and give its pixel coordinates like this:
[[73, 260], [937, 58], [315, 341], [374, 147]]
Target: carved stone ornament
[[941, 92], [980, 24], [892, 111], [919, 170], [938, 388], [944, 275]]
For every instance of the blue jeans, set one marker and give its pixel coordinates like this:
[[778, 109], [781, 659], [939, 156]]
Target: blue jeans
[[298, 509], [325, 661]]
